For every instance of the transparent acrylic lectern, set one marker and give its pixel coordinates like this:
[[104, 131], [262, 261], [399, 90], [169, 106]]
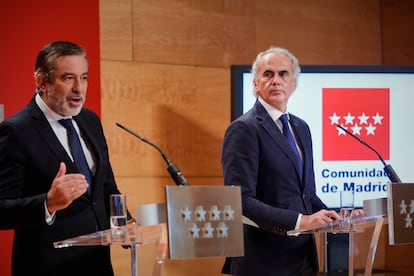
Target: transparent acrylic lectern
[[355, 225], [135, 235], [203, 221]]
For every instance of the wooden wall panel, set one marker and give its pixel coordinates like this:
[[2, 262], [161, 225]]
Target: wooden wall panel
[[214, 33], [397, 36], [151, 189], [116, 29], [321, 32], [146, 256], [199, 267], [184, 110]]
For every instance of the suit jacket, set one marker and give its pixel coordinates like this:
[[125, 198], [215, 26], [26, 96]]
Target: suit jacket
[[257, 157], [30, 154]]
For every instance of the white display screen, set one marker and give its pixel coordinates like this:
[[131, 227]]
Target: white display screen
[[375, 103]]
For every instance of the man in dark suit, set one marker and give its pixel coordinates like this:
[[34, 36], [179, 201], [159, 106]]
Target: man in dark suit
[[43, 195], [278, 185]]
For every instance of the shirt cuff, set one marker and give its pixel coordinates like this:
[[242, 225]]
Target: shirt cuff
[[50, 218], [298, 222]]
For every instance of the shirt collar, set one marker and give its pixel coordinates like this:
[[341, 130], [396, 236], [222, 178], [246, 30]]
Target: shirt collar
[[273, 111]]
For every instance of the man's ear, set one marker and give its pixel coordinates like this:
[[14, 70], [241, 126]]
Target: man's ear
[[41, 82], [255, 85], [294, 85]]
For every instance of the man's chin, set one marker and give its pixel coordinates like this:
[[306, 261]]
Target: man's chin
[[76, 111], [72, 111]]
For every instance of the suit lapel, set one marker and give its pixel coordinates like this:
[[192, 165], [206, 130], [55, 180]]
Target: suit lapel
[[49, 137], [270, 127]]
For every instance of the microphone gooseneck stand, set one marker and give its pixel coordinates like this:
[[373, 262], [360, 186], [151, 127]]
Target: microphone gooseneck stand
[[172, 169], [392, 175]]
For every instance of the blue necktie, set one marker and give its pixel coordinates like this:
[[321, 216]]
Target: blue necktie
[[77, 152], [289, 136]]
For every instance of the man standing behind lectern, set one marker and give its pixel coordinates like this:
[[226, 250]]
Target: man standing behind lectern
[[276, 178], [46, 194]]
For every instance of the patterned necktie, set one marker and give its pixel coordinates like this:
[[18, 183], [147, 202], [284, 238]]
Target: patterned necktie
[[289, 136], [77, 152]]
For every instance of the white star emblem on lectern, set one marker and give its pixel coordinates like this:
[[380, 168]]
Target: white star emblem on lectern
[[408, 221], [194, 231], [222, 230], [214, 213], [186, 214]]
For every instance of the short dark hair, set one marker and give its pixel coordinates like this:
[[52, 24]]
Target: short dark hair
[[45, 62]]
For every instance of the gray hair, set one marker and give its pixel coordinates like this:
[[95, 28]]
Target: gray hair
[[279, 50]]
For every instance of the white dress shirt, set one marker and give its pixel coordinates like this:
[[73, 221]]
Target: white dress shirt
[[61, 133]]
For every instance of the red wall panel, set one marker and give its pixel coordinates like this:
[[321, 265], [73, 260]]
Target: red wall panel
[[25, 27]]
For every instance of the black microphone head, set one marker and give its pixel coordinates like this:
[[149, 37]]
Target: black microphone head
[[392, 175], [177, 176]]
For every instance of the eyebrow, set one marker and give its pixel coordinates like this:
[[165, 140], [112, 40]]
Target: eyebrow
[[73, 74], [280, 73]]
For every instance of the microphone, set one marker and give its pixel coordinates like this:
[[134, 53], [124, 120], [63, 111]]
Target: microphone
[[175, 173], [392, 175]]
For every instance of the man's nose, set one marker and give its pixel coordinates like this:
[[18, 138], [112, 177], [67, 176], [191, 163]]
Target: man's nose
[[276, 79], [77, 85]]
